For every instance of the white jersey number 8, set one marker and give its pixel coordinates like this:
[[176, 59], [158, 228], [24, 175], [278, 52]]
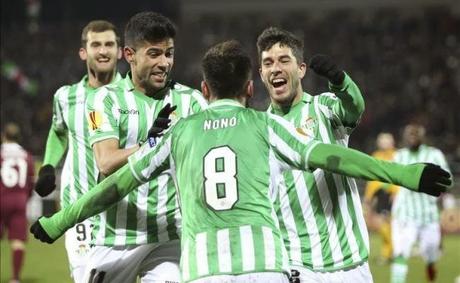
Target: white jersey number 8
[[220, 182]]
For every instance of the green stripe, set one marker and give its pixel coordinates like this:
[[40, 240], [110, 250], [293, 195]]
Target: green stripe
[[235, 248], [213, 253], [109, 231], [152, 203], [171, 210], [300, 223], [259, 248], [73, 125], [363, 252], [339, 223], [123, 123]]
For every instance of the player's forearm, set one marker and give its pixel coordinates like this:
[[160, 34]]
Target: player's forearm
[[351, 102], [98, 199], [56, 145], [356, 164], [111, 158]]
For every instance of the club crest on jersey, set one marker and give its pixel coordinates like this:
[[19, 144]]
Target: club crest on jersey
[[174, 118], [95, 120], [307, 127]]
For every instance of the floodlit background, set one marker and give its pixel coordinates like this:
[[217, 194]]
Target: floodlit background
[[403, 54]]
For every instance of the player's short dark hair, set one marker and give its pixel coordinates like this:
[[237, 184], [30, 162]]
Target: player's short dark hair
[[273, 35], [12, 132], [226, 69], [150, 27], [98, 26]]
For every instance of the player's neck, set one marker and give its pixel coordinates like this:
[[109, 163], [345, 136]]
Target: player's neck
[[415, 147], [286, 106], [96, 80]]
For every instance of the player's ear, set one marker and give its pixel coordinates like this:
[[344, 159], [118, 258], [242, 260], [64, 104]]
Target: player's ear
[[205, 90], [129, 54], [302, 70], [83, 54], [249, 88]]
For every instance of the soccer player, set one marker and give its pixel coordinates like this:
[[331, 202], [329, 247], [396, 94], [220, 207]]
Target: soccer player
[[16, 183], [69, 133], [225, 161], [320, 212], [378, 196], [139, 236], [415, 217]]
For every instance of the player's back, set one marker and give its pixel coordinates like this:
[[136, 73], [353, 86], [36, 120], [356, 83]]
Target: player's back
[[225, 165], [16, 172]]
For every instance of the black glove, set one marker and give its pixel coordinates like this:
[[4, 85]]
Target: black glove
[[46, 182], [324, 66], [40, 233], [434, 180], [162, 121]]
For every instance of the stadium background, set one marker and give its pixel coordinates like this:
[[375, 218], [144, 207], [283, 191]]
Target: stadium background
[[404, 55]]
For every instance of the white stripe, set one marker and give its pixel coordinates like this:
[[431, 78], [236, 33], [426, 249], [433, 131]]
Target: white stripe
[[347, 221], [132, 137], [156, 160], [120, 225], [358, 212], [200, 99], [288, 219], [269, 247], [185, 101], [326, 203], [224, 251], [283, 147], [201, 249], [79, 135], [289, 128], [309, 218], [141, 213], [100, 237], [162, 197], [177, 215], [185, 267], [247, 248], [276, 167]]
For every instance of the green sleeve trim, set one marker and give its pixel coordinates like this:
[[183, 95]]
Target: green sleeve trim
[[96, 200], [56, 146], [353, 163], [101, 137]]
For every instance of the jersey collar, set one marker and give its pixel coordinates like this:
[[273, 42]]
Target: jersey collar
[[273, 109], [225, 102]]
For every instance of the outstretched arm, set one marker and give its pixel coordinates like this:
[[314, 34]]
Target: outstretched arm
[[100, 198], [426, 178]]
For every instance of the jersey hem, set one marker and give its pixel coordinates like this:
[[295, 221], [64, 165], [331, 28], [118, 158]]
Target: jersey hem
[[332, 269]]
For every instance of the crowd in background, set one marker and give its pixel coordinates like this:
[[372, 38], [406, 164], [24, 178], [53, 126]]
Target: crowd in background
[[406, 62]]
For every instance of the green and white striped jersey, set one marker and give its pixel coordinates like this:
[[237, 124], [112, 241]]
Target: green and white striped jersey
[[226, 160], [412, 206], [150, 213], [320, 213], [80, 171]]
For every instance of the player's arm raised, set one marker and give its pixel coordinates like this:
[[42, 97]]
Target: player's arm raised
[[304, 153], [56, 146], [350, 103], [108, 192]]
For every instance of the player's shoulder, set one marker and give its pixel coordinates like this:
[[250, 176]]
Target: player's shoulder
[[182, 89], [325, 98]]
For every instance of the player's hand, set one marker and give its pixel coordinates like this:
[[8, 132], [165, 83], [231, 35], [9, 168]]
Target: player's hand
[[162, 121], [40, 233], [46, 182], [434, 180], [324, 66]]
